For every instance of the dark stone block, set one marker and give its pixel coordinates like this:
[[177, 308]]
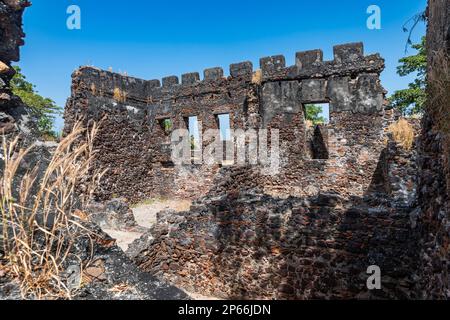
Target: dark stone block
[[280, 98], [314, 90], [213, 74], [170, 81], [369, 95], [190, 78], [241, 69], [305, 59], [153, 84], [340, 94], [270, 65], [134, 87], [91, 75], [348, 52]]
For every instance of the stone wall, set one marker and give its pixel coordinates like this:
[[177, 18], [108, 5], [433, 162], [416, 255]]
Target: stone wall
[[434, 162], [239, 242], [136, 149]]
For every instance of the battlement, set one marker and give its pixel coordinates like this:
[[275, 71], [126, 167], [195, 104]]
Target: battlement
[[349, 60]]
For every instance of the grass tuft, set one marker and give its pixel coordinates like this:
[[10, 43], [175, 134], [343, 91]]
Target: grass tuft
[[257, 77], [120, 95], [37, 210]]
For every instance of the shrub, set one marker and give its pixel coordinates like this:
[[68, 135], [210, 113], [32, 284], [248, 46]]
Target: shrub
[[403, 133]]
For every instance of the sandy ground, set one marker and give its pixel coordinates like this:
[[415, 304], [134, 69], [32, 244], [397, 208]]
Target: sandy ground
[[123, 238], [145, 215]]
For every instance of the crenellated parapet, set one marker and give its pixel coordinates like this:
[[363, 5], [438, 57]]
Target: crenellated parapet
[[348, 59], [321, 80]]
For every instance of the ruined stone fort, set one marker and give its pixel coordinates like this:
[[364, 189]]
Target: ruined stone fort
[[343, 199], [346, 196]]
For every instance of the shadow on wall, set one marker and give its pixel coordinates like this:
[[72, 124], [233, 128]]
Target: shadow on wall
[[248, 245], [319, 145], [313, 248]]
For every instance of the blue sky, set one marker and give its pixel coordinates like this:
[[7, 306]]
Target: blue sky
[[153, 39]]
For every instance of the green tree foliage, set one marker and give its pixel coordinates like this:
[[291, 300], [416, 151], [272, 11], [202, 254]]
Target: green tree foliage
[[43, 110], [411, 100], [313, 114], [167, 125]]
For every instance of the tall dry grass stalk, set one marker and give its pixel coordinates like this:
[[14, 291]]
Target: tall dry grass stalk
[[39, 228], [403, 133]]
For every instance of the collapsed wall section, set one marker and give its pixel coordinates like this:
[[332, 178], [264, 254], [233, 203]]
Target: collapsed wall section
[[254, 246]]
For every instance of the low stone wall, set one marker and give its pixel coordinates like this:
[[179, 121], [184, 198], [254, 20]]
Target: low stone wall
[[253, 246]]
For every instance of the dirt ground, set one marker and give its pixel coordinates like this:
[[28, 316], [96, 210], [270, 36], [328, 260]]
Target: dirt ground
[[145, 216]]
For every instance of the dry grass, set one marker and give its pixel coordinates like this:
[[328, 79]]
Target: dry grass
[[438, 104], [257, 77], [120, 95], [403, 133], [38, 224]]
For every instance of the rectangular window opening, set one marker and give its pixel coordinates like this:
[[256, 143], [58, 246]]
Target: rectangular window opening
[[194, 134], [317, 113], [224, 126], [317, 117], [194, 137]]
